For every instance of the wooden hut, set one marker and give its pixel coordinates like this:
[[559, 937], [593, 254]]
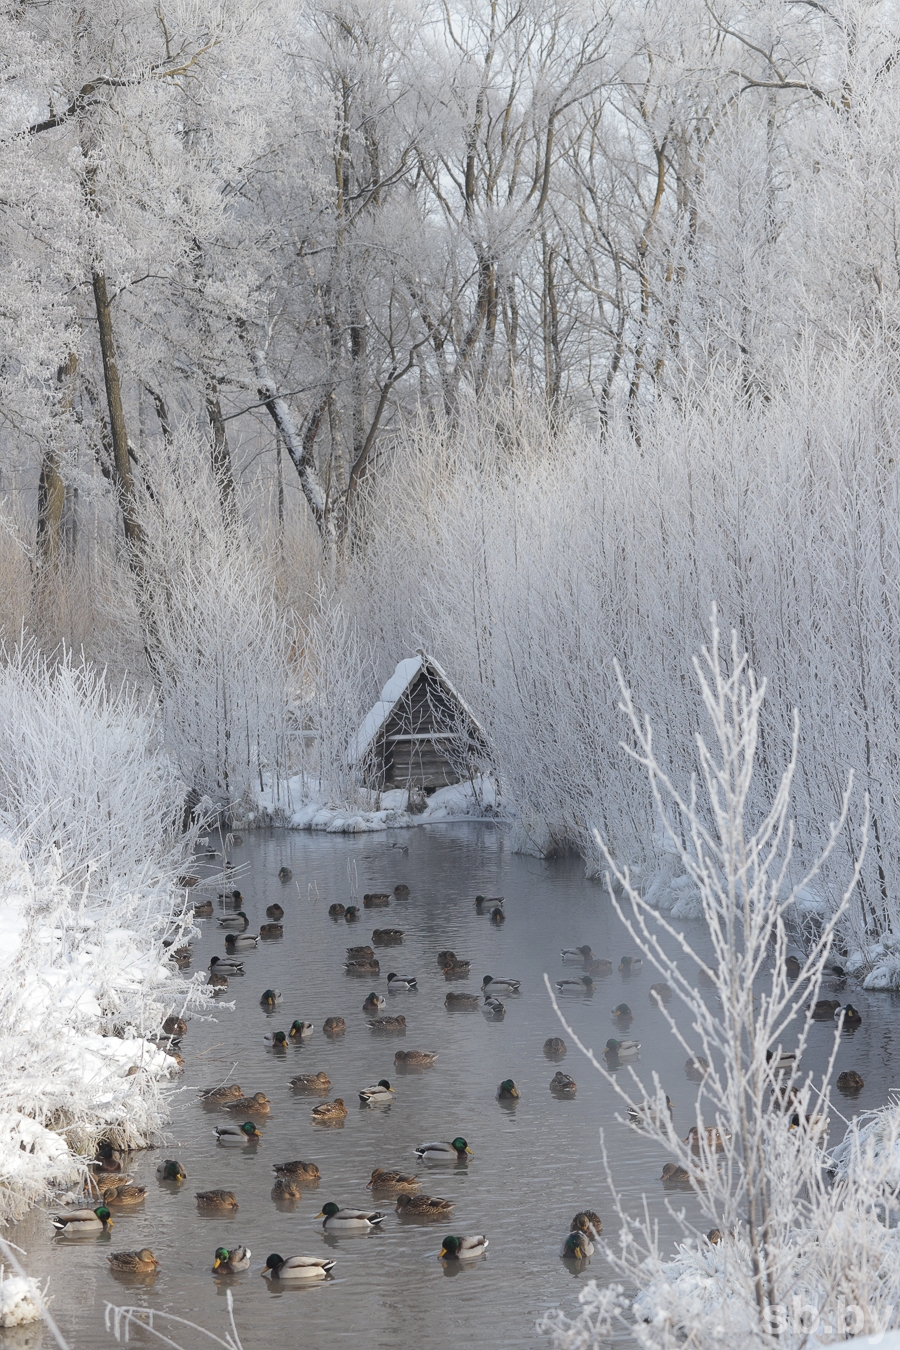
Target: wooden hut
[[420, 734]]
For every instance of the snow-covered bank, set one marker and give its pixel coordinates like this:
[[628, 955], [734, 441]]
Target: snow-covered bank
[[302, 805]]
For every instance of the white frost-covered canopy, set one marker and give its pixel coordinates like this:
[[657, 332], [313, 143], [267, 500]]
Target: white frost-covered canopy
[[402, 679]]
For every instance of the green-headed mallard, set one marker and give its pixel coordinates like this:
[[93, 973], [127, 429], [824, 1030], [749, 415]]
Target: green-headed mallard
[[257, 1105], [781, 1061], [507, 1091], [423, 1206], [499, 985], [336, 911], [577, 1246], [351, 914], [848, 1016], [171, 1170], [300, 1031], [617, 1052], [630, 965], [77, 1221], [493, 1007], [223, 1201], [483, 902], [227, 1262], [578, 954], [284, 874], [379, 1093], [583, 985], [622, 1013], [397, 1023], [462, 1248], [562, 1085], [124, 1195], [334, 1026], [305, 1171], [311, 1082], [335, 1110], [696, 1068], [383, 1180], [285, 1189], [497, 915], [397, 983], [374, 1003], [225, 965], [217, 1095], [650, 1113], [297, 1267], [106, 1159], [238, 1134], [275, 912], [238, 920], [275, 1040], [440, 1151], [335, 1219], [241, 942], [142, 1262], [271, 930], [415, 1059], [461, 1002]]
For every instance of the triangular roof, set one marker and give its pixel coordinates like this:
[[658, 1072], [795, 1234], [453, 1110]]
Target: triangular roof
[[397, 686]]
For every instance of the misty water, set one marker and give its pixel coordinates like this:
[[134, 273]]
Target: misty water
[[533, 1164]]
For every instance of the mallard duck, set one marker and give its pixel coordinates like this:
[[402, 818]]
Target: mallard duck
[[360, 954], [270, 997], [181, 957], [399, 982], [387, 937], [376, 899], [459, 970], [441, 1151], [824, 1009], [621, 1050], [563, 1085], [462, 1248], [203, 909], [497, 915], [221, 1200], [447, 958], [577, 1246], [849, 1014], [306, 1171], [230, 1262], [482, 902], [124, 1195], [660, 993], [374, 1003], [225, 965], [362, 967], [423, 1206], [381, 1092], [215, 1096], [815, 1126], [175, 1026], [675, 1175], [336, 911], [106, 1159], [271, 930], [297, 1267], [850, 1082], [234, 896], [187, 881], [630, 965], [792, 968], [238, 920], [714, 1139], [238, 1134], [216, 981], [649, 1113], [382, 1180], [415, 1059], [337, 1219], [334, 1026], [468, 1002], [401, 890], [311, 1082], [351, 913], [500, 985], [555, 1047], [781, 1061], [397, 1023], [601, 967], [171, 1170], [507, 1091], [587, 1221], [276, 1040], [300, 1031], [285, 1189], [257, 1105], [77, 1221], [714, 1237], [241, 942], [134, 1263], [275, 912], [583, 985], [578, 954], [622, 1013], [493, 1006], [696, 1068], [335, 1110], [284, 874]]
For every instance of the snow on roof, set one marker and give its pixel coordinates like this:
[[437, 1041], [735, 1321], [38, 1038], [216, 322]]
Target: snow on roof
[[403, 676]]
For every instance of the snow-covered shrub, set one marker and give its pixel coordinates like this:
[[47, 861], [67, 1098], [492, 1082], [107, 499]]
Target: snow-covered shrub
[[19, 1300]]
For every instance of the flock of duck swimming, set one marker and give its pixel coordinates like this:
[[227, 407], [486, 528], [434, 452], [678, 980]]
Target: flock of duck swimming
[[114, 1189]]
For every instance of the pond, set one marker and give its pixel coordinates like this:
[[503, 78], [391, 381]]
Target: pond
[[534, 1162]]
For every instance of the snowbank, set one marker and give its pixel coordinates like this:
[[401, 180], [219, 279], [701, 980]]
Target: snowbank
[[872, 1142], [19, 1301], [309, 809]]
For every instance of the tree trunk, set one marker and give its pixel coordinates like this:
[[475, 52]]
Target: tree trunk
[[51, 488], [118, 430]]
